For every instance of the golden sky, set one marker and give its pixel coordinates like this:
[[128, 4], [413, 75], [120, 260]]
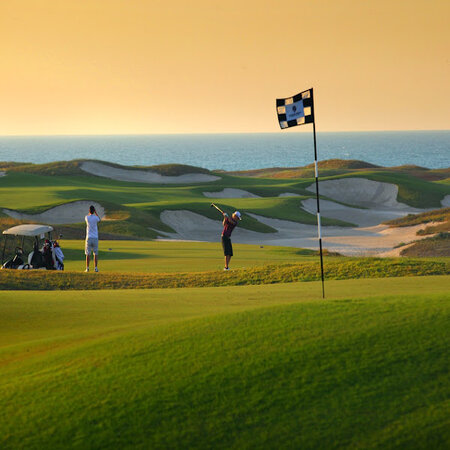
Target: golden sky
[[202, 66]]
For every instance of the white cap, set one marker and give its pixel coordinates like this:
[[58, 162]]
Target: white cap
[[238, 215]]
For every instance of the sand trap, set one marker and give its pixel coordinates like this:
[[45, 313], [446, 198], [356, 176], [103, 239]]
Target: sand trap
[[143, 176], [2, 174], [446, 201], [361, 192], [364, 241], [361, 217], [231, 193], [195, 227], [74, 212]]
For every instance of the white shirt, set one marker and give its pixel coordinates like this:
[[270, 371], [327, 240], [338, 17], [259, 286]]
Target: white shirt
[[91, 226]]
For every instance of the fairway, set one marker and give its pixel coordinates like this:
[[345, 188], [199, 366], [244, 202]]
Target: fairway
[[164, 256], [232, 367]]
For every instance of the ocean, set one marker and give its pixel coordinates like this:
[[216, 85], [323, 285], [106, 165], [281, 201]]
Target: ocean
[[237, 151]]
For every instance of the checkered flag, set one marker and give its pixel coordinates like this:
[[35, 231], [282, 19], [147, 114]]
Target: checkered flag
[[296, 110]]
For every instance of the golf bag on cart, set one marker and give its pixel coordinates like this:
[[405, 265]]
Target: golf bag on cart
[[16, 262]]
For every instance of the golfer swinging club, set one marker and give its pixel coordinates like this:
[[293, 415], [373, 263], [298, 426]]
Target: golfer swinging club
[[228, 227], [92, 219]]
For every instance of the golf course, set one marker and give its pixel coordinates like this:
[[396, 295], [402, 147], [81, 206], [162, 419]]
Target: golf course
[[164, 349]]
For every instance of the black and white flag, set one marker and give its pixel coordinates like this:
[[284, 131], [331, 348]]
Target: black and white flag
[[296, 110]]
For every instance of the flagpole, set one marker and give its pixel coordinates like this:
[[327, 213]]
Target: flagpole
[[299, 110], [316, 168]]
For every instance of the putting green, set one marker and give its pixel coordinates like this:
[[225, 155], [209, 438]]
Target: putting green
[[271, 366]]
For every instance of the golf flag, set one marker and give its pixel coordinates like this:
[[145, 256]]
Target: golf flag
[[296, 110]]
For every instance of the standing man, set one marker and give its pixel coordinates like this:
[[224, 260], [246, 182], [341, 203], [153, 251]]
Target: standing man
[[92, 220], [228, 227]]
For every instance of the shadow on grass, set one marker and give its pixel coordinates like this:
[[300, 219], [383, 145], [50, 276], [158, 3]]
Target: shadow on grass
[[105, 254]]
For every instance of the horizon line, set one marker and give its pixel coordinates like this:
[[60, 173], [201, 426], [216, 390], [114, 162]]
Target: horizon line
[[213, 133]]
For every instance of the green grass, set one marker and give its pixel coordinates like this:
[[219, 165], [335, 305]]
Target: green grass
[[169, 256], [243, 367], [269, 274], [156, 264], [137, 206]]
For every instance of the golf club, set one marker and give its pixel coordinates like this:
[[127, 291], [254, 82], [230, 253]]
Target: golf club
[[218, 209]]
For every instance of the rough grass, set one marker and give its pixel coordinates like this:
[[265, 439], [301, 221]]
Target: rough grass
[[433, 229], [63, 168], [58, 168], [269, 274], [134, 369], [436, 246], [438, 215]]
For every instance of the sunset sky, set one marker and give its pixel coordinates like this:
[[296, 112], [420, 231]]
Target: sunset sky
[[203, 66]]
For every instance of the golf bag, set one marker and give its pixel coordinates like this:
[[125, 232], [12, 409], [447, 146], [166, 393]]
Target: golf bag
[[35, 258], [59, 256], [15, 262]]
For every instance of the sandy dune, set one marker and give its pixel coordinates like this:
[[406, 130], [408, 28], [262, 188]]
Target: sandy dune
[[74, 212], [377, 203], [231, 193], [361, 217], [370, 240], [361, 192], [143, 176]]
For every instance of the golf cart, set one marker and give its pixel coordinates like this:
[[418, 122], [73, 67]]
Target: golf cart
[[30, 246]]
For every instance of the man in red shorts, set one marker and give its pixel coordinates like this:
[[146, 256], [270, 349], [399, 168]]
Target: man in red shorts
[[228, 227]]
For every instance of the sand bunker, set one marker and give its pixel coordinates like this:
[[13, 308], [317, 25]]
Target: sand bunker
[[143, 176], [2, 174], [361, 217], [231, 193], [364, 241], [446, 201], [74, 212], [361, 192]]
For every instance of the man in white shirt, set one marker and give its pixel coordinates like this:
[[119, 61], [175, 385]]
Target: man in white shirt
[[92, 220]]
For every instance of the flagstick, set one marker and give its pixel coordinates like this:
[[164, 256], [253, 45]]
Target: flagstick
[[318, 207]]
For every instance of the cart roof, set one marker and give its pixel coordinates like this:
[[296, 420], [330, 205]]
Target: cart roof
[[28, 230]]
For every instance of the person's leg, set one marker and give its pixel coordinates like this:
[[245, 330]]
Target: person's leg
[[228, 253], [87, 252], [95, 247]]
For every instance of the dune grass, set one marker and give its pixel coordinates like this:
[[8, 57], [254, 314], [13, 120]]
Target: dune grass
[[437, 215], [243, 367], [435, 246]]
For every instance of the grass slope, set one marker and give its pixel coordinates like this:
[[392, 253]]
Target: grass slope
[[441, 215], [436, 246], [217, 369], [270, 274]]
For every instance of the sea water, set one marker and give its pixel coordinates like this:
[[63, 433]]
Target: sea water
[[237, 151]]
